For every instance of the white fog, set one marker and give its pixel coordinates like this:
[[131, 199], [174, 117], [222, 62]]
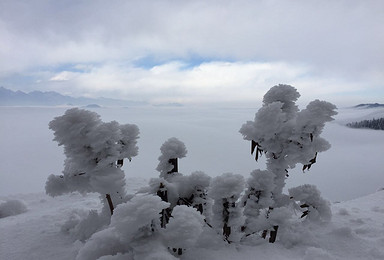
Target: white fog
[[351, 168]]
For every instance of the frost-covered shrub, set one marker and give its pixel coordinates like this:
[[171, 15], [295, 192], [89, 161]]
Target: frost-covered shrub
[[12, 208], [186, 194], [286, 135], [167, 192], [258, 196], [184, 227], [278, 216], [92, 149], [139, 217], [103, 243], [187, 190], [94, 153], [133, 231], [174, 187], [56, 185], [172, 149], [179, 212], [311, 203], [225, 191], [192, 191], [160, 185]]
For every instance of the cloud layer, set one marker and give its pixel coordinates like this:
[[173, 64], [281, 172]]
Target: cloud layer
[[189, 51]]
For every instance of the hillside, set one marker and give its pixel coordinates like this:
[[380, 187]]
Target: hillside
[[370, 105], [51, 98]]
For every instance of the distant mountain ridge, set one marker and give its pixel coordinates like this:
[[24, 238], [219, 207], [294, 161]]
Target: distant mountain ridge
[[51, 98], [370, 105]]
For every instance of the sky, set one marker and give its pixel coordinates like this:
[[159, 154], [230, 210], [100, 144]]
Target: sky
[[194, 52]]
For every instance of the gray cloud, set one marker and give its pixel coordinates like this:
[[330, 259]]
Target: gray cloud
[[332, 39]]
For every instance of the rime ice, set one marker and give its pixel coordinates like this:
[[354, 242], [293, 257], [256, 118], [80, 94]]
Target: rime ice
[[173, 148], [286, 135], [93, 150], [179, 213]]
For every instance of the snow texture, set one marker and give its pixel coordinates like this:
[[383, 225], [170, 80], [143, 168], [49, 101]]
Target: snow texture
[[94, 153], [82, 225], [285, 94], [92, 149], [356, 231], [257, 197], [226, 185], [309, 196], [133, 224], [225, 191], [138, 217], [173, 148], [12, 208], [184, 228], [286, 135], [160, 184]]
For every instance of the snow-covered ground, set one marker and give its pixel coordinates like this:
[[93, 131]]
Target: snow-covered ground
[[355, 232], [36, 234]]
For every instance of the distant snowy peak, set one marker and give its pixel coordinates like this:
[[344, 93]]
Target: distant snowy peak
[[370, 105], [51, 98]]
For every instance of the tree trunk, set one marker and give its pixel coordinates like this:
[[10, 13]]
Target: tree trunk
[[165, 213], [273, 234], [173, 161], [110, 203], [226, 228]]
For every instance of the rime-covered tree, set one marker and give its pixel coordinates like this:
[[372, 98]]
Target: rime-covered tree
[[257, 197], [310, 202], [225, 191], [286, 136], [133, 232], [180, 191], [172, 150], [184, 228], [192, 191], [94, 153], [176, 188]]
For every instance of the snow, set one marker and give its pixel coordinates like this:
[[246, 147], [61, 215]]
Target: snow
[[37, 233], [173, 148], [226, 186], [11, 208], [316, 207], [286, 136], [356, 231], [225, 191], [129, 230], [184, 228], [92, 149]]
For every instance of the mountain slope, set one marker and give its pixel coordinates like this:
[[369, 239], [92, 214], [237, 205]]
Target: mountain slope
[[370, 105], [52, 98]]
